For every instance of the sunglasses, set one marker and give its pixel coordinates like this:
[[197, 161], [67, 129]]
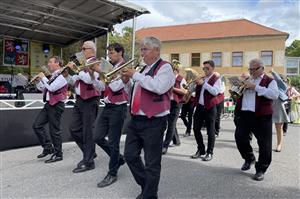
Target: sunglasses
[[253, 69], [85, 48], [205, 68]]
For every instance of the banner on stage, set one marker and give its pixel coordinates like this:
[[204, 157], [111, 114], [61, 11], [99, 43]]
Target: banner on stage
[[15, 57]]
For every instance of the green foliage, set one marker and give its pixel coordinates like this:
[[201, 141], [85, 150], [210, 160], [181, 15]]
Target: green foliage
[[293, 50], [124, 38], [295, 81]]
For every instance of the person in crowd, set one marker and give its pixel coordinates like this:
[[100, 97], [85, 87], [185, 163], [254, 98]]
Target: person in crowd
[[176, 103], [280, 115]]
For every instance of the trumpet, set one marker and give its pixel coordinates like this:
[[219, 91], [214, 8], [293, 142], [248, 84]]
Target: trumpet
[[116, 73], [44, 70], [238, 88], [190, 87]]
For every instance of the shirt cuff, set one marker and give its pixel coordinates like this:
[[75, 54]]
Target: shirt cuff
[[44, 79], [137, 76]]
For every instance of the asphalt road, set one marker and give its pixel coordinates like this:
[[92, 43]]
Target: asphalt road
[[24, 176]]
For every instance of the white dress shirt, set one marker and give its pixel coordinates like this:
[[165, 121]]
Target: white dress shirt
[[162, 82], [183, 81], [249, 95], [214, 90], [57, 84], [117, 85]]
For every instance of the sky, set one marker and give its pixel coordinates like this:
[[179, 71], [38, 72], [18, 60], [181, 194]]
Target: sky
[[283, 15]]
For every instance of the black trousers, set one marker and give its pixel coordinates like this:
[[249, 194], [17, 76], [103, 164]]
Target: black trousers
[[147, 134], [261, 127], [172, 120], [220, 108], [186, 115], [110, 123], [52, 115], [82, 124], [208, 116]]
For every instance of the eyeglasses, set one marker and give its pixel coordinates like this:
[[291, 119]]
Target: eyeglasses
[[145, 49], [205, 68], [85, 48], [253, 69]]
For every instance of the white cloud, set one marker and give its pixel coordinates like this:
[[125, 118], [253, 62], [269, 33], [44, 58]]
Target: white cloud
[[282, 15]]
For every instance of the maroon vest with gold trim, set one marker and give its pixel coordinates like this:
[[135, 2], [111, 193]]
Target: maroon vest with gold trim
[[151, 103], [263, 105], [209, 99], [178, 97]]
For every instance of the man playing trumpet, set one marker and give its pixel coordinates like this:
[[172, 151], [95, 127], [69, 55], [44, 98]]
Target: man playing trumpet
[[110, 122], [207, 97], [54, 94], [87, 89]]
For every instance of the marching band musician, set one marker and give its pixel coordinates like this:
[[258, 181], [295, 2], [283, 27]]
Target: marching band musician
[[254, 108], [176, 103], [207, 97], [111, 120], [54, 94], [87, 89], [150, 105]]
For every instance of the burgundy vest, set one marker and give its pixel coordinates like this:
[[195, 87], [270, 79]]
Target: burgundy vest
[[178, 97], [87, 91], [263, 105], [118, 96], [209, 99], [58, 96], [151, 103]]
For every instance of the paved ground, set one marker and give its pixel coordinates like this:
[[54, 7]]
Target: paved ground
[[23, 176]]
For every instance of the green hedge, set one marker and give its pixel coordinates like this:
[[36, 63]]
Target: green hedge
[[295, 81]]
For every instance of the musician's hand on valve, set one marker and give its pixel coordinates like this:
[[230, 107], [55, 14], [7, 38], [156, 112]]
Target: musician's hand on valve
[[41, 75], [71, 65], [96, 67], [128, 72], [199, 81], [249, 85]]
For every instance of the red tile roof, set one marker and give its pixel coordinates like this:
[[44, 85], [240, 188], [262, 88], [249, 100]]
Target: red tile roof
[[209, 30]]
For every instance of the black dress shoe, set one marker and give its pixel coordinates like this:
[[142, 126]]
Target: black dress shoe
[[121, 160], [258, 176], [198, 154], [207, 157], [108, 180], [164, 150], [140, 196], [82, 161], [247, 165], [54, 158], [45, 153], [83, 168]]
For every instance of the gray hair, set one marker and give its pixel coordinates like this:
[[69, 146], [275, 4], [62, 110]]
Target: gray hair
[[152, 42], [91, 44], [257, 62]]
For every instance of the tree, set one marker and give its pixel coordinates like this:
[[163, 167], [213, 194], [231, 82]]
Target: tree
[[124, 38], [294, 49]]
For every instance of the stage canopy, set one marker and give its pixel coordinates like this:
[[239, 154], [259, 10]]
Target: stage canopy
[[63, 22]]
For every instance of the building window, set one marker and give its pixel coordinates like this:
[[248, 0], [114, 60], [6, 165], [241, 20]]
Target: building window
[[196, 59], [267, 58], [175, 56], [217, 58], [237, 59]]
